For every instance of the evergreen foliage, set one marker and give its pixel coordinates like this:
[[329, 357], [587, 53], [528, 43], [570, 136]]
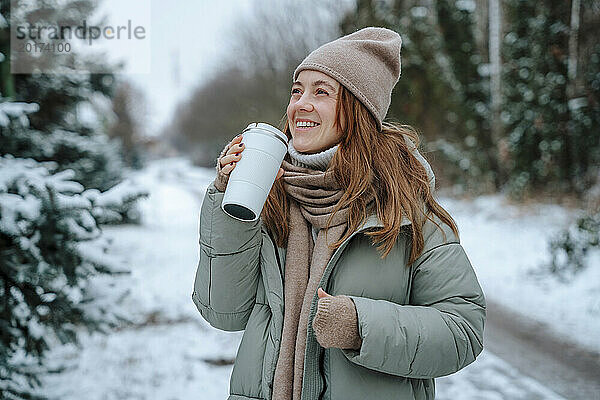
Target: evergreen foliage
[[553, 137], [550, 136], [50, 249], [470, 94], [443, 90]]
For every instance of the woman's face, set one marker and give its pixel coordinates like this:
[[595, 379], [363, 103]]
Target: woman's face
[[311, 112]]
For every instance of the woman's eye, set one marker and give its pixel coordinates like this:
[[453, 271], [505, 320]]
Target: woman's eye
[[294, 91], [321, 91]]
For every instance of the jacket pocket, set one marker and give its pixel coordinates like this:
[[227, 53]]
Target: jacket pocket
[[246, 377], [349, 381]]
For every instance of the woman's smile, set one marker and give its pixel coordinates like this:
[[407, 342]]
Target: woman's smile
[[305, 125]]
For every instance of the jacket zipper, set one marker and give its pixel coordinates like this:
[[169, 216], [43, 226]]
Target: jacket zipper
[[325, 280], [322, 372]]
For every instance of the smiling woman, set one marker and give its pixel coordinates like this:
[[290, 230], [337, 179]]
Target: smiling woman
[[353, 283]]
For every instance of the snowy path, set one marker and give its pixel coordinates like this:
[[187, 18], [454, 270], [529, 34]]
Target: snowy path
[[172, 353]]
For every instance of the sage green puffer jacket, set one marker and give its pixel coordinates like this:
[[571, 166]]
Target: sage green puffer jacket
[[417, 322]]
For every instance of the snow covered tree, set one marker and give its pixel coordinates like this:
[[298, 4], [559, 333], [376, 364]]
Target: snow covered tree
[[570, 248], [52, 251], [51, 247], [74, 110], [95, 160], [91, 159]]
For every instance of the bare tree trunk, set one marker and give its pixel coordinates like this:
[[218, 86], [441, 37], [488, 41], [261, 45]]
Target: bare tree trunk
[[495, 88], [7, 84], [574, 31], [576, 162]]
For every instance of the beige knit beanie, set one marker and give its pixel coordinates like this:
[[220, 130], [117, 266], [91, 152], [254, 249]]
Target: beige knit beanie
[[366, 62]]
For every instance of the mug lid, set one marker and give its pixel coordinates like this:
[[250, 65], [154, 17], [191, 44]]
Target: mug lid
[[269, 128]]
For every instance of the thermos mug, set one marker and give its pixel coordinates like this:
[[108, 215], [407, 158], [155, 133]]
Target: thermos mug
[[252, 178]]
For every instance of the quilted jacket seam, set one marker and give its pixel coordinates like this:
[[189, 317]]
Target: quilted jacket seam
[[219, 312], [430, 250]]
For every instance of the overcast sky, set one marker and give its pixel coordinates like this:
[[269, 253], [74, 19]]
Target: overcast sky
[[185, 38]]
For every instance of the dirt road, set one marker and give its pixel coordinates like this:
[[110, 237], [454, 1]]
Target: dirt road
[[563, 367]]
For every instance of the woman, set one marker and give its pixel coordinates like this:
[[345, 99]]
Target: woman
[[325, 313]]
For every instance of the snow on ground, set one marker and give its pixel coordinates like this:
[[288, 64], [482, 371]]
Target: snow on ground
[[172, 353], [163, 362], [490, 378]]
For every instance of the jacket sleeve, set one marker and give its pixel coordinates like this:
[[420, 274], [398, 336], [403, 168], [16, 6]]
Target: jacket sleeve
[[228, 270], [438, 333]]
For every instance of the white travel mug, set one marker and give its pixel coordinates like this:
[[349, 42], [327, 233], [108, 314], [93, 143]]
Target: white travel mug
[[252, 178]]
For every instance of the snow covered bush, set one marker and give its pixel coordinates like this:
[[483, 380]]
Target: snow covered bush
[[95, 161], [117, 205], [570, 248], [51, 248]]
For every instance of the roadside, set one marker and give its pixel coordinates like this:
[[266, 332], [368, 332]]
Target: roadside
[[532, 348]]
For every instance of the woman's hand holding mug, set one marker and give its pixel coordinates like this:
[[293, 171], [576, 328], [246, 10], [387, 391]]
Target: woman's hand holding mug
[[231, 154]]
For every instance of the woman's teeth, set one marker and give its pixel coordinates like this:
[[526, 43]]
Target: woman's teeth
[[306, 124]]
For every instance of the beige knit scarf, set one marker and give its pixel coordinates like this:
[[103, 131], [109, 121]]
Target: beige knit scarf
[[314, 195]]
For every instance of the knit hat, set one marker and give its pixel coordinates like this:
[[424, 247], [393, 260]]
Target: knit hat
[[366, 62]]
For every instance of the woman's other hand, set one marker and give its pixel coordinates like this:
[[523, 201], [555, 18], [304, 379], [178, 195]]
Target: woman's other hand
[[336, 322]]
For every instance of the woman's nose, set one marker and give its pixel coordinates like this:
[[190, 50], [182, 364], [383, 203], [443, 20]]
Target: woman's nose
[[304, 104]]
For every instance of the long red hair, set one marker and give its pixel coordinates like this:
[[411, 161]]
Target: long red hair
[[369, 164]]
